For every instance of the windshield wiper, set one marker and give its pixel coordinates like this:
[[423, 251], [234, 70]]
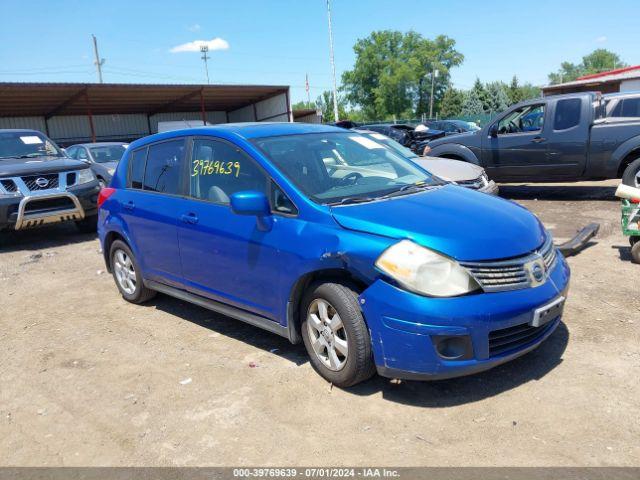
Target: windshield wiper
[[407, 189], [352, 200]]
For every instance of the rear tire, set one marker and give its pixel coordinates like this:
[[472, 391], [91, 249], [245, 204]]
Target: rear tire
[[88, 225], [335, 334], [631, 175], [127, 274]]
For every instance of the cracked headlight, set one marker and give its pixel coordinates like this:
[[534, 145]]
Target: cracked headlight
[[85, 176], [424, 271]]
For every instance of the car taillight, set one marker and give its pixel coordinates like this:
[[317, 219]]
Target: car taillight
[[104, 194]]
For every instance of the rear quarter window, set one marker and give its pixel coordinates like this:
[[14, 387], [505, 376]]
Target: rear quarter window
[[136, 168], [567, 113]]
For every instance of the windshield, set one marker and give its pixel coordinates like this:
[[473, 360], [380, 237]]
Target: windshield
[[107, 153], [27, 145], [332, 168]]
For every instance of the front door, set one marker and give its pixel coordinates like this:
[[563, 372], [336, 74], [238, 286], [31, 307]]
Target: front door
[[225, 256], [520, 146]]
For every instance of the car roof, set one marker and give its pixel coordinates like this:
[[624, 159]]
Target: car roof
[[19, 130], [98, 144], [243, 131]]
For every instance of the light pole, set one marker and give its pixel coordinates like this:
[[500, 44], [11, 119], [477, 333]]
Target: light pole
[[204, 49], [333, 65], [434, 75]]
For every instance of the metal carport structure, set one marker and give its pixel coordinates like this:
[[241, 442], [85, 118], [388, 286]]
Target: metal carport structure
[[81, 112]]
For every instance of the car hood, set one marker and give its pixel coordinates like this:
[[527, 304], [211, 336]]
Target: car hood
[[107, 165], [458, 222], [12, 167], [450, 170]]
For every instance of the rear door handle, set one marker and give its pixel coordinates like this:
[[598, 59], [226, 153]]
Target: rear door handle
[[129, 206], [189, 218], [538, 140]]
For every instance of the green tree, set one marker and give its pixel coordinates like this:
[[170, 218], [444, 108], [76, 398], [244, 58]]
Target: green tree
[[451, 104], [518, 93], [325, 104], [302, 105], [497, 97], [600, 60], [472, 103], [392, 73]]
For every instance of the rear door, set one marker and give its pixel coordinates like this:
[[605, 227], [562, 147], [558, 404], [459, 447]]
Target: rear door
[[520, 147], [150, 208], [568, 141]]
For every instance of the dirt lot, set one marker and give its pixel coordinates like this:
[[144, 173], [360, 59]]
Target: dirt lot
[[87, 379]]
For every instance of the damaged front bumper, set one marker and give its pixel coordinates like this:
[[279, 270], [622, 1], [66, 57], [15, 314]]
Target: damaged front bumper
[[406, 328]]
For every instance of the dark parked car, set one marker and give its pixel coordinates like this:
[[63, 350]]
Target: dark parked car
[[104, 157], [558, 138], [39, 184], [452, 127], [406, 135]]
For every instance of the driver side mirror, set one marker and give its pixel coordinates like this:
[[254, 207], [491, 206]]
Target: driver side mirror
[[493, 130]]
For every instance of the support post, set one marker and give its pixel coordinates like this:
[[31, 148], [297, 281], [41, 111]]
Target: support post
[[202, 110], [90, 117]]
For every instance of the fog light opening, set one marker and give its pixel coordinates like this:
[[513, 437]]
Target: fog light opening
[[457, 347]]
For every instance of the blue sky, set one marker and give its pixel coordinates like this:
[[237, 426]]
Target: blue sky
[[278, 41]]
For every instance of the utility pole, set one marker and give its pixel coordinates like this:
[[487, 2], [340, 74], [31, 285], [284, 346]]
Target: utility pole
[[333, 65], [204, 49], [99, 61], [306, 86], [434, 75]]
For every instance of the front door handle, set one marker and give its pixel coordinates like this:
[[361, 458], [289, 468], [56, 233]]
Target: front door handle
[[129, 206], [538, 140], [191, 218]]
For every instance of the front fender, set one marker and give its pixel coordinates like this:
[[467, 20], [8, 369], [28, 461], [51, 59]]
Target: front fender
[[455, 150]]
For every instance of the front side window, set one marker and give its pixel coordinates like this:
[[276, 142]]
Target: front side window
[[567, 113], [335, 167], [82, 154], [218, 170], [27, 145], [162, 171], [527, 119], [628, 107]]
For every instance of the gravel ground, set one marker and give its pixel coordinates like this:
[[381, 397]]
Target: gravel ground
[[88, 379]]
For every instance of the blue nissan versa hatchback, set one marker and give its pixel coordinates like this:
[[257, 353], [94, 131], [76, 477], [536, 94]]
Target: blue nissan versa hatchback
[[327, 237]]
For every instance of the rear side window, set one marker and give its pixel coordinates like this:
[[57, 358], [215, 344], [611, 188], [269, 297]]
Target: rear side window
[[136, 169], [218, 170], [567, 113], [162, 172]]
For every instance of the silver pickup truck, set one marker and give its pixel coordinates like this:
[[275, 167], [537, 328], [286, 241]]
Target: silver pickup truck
[[558, 138]]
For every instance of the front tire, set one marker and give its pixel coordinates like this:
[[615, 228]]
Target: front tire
[[635, 252], [335, 335], [631, 175], [127, 274]]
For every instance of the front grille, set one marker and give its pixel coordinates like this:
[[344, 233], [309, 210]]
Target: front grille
[[37, 182], [511, 274], [9, 185], [506, 339], [474, 184]]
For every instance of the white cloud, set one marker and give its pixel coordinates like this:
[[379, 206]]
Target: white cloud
[[213, 44], [601, 39], [194, 28]]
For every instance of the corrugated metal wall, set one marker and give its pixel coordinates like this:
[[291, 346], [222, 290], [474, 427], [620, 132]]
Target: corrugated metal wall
[[69, 129], [312, 118]]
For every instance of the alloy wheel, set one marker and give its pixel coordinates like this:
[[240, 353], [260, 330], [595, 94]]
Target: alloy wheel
[[125, 271], [327, 334]]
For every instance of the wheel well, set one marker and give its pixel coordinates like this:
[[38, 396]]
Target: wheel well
[[300, 288], [626, 161], [108, 241]]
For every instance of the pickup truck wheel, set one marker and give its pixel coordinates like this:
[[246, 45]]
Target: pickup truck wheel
[[127, 274], [335, 335], [635, 252], [631, 175]]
